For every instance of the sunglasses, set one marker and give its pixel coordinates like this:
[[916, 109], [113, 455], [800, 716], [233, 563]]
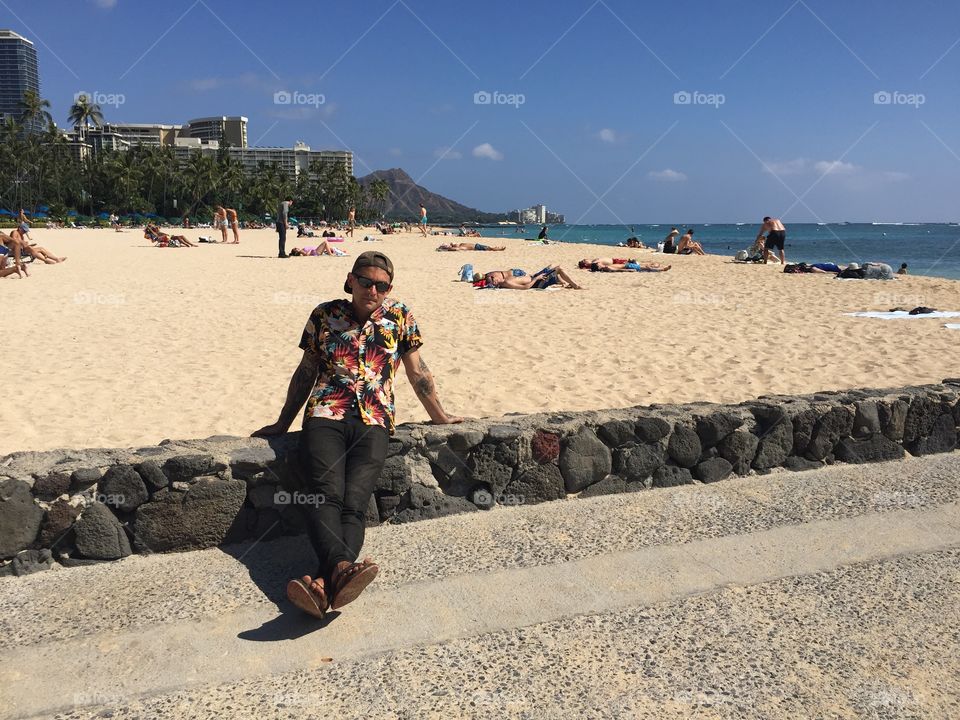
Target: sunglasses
[[366, 283]]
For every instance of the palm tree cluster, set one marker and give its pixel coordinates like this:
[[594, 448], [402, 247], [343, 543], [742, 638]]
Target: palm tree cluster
[[39, 168]]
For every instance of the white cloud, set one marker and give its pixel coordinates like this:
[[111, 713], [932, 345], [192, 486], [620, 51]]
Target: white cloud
[[835, 167], [607, 135], [488, 151], [105, 4], [445, 153], [205, 84], [785, 167], [667, 175]]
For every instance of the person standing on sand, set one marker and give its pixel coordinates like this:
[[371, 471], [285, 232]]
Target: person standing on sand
[[351, 350], [776, 238], [351, 221], [231, 217], [283, 222], [423, 220]]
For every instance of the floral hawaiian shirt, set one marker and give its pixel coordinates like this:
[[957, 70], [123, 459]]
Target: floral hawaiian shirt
[[358, 362]]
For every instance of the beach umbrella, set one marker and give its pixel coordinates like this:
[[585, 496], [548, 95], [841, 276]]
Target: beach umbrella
[[6, 212]]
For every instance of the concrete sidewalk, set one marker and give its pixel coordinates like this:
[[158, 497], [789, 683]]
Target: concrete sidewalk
[[169, 635]]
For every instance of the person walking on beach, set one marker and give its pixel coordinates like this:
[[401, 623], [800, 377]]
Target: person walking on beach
[[776, 238], [351, 351], [351, 221], [283, 222], [231, 216], [423, 220]]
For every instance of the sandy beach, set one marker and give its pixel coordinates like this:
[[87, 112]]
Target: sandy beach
[[125, 344]]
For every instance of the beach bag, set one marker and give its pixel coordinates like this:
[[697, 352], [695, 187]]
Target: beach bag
[[466, 273]]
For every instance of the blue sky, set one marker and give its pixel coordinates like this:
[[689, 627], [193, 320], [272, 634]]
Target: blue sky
[[782, 117]]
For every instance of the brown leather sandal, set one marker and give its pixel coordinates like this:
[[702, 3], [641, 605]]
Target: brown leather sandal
[[312, 603], [351, 581]]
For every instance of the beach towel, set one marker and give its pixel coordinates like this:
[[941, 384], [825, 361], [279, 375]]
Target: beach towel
[[904, 315], [952, 326]]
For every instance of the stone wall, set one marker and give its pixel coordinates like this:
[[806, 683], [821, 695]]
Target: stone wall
[[84, 506]]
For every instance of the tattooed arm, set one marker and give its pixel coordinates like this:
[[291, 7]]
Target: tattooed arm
[[422, 380], [301, 384]]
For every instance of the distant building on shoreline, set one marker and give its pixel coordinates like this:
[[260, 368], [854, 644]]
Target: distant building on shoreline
[[19, 73], [208, 136], [538, 214]]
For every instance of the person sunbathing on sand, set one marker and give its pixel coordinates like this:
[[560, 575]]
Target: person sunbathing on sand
[[37, 252], [456, 247], [13, 245], [153, 234], [321, 249], [550, 275], [621, 265], [4, 270]]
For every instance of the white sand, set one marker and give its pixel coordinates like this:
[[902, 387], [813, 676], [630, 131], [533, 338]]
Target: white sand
[[126, 344]]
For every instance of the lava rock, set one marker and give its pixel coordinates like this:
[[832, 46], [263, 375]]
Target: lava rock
[[893, 417], [99, 535], [616, 432], [152, 475], [20, 517], [876, 448], [28, 562], [52, 485], [186, 467], [775, 445], [921, 418], [799, 464], [395, 476], [247, 462], [465, 440], [536, 483], [611, 485], [684, 446], [584, 460], [651, 429], [122, 488], [421, 503], [670, 476], [713, 428], [638, 462], [387, 505], [488, 467], [836, 423], [502, 433], [192, 520], [942, 438], [545, 446], [803, 423], [866, 420], [83, 478], [371, 517], [739, 448], [712, 470], [265, 496], [56, 529]]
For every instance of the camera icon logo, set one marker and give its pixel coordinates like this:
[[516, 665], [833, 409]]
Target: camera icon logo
[[482, 97], [281, 497], [882, 98], [682, 98], [282, 97], [483, 498], [82, 96]]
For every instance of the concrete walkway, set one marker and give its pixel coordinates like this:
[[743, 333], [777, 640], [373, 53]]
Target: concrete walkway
[[831, 593]]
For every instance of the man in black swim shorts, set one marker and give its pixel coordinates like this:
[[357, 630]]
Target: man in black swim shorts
[[776, 238]]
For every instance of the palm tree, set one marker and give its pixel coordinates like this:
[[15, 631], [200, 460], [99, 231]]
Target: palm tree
[[84, 113], [34, 111], [198, 177]]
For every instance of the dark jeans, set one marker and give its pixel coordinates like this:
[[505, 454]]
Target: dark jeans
[[282, 232], [342, 460]]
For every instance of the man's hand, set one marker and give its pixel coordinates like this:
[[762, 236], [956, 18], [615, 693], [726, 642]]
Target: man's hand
[[277, 428]]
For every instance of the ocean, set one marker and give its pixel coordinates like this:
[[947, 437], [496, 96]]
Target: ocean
[[927, 248]]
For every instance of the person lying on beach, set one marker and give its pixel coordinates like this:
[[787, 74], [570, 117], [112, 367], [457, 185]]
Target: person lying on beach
[[303, 232], [321, 249], [801, 268], [468, 233], [153, 234], [541, 280], [4, 270], [12, 245], [621, 265], [688, 246], [633, 242], [41, 253], [458, 247]]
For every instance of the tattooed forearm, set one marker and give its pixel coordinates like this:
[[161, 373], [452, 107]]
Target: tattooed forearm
[[424, 384], [299, 390], [423, 366]]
